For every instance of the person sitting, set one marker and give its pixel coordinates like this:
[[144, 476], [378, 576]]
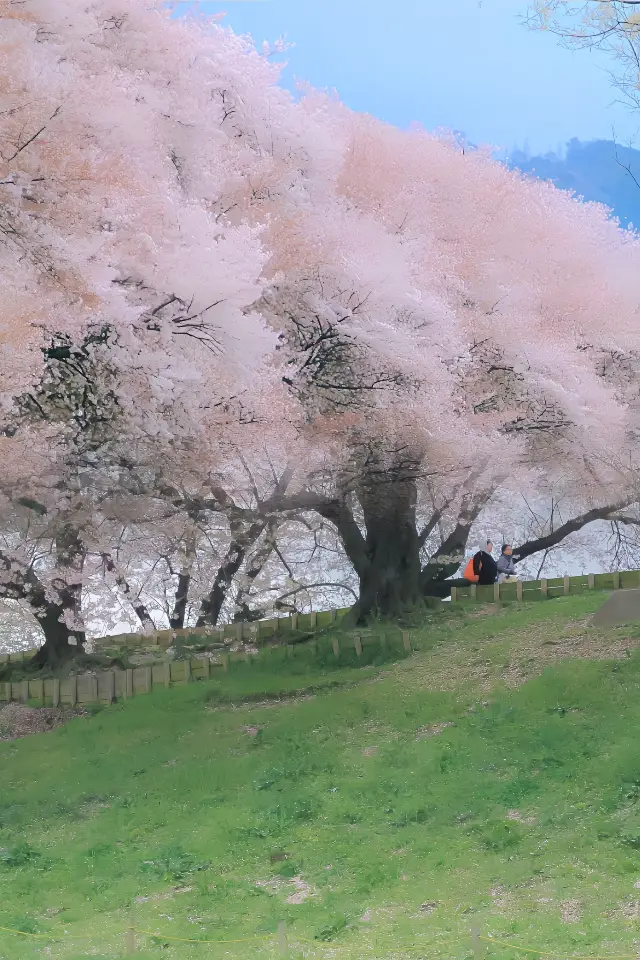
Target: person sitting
[[506, 564], [482, 568]]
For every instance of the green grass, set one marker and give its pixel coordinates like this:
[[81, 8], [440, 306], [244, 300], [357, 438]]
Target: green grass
[[523, 816]]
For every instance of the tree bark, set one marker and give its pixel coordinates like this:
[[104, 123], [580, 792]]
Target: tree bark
[[122, 583], [57, 647], [52, 614], [564, 530], [189, 550], [242, 540], [390, 576], [176, 620], [244, 613]]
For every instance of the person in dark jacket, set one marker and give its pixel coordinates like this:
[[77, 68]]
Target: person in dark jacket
[[484, 566]]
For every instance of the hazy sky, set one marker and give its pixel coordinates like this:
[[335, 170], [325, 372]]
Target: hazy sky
[[469, 65]]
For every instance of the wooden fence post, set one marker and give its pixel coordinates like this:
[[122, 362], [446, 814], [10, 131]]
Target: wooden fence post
[[336, 647], [406, 640], [496, 592], [616, 580], [567, 585], [225, 662], [454, 594], [476, 942], [314, 619], [474, 591], [56, 693], [357, 643], [187, 671], [130, 936], [283, 946], [544, 590], [519, 590], [592, 581], [167, 674], [24, 691], [294, 621], [128, 683]]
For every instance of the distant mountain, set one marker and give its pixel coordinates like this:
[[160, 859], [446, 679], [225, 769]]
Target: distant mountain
[[599, 170]]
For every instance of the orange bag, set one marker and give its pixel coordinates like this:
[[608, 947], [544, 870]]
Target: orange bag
[[469, 574]]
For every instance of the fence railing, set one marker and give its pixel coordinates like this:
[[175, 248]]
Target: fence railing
[[547, 588], [106, 686], [279, 629], [256, 632]]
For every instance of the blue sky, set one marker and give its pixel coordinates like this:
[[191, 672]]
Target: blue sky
[[468, 65]]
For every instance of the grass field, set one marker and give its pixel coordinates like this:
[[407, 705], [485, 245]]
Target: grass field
[[491, 779]]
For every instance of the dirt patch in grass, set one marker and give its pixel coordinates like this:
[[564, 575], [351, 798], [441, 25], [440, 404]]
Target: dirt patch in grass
[[432, 730], [527, 653], [303, 891], [571, 911], [16, 720], [536, 649]]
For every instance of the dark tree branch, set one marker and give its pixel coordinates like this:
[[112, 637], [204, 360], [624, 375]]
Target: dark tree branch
[[564, 530], [122, 583]]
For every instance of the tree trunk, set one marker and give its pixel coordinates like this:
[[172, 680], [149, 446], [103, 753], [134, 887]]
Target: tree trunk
[[189, 550], [242, 541], [54, 617], [244, 613], [57, 647], [176, 620], [390, 579], [122, 583]]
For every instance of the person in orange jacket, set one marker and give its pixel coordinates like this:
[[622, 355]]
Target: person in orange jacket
[[482, 568]]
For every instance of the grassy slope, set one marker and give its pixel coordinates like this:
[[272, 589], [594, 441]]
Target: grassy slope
[[521, 816]]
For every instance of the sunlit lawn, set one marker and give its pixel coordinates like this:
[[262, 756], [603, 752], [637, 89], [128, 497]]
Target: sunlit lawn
[[352, 813]]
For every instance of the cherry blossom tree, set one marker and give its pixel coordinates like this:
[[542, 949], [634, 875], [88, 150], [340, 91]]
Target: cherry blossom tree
[[117, 164], [451, 306], [226, 315]]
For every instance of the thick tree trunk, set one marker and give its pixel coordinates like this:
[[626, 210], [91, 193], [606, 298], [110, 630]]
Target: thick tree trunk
[[55, 618], [390, 579], [58, 646], [52, 617]]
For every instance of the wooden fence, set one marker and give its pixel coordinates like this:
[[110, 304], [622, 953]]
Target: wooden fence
[[105, 686], [549, 588], [256, 633], [109, 685]]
